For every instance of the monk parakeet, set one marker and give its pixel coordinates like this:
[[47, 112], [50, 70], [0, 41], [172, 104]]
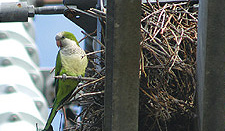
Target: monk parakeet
[[71, 61]]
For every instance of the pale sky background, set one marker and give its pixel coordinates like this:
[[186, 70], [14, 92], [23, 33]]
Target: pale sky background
[[46, 27]]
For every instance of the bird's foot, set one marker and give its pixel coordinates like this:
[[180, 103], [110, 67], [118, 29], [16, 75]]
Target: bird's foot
[[64, 77], [79, 78]]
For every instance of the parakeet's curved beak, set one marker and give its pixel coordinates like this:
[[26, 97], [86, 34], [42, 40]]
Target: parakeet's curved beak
[[58, 43], [58, 40]]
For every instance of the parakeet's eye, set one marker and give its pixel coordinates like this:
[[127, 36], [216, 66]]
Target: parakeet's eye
[[63, 37]]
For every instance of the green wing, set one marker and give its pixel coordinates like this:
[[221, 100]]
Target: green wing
[[58, 68], [58, 65]]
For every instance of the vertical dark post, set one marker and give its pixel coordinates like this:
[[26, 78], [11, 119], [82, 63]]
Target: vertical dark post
[[122, 65], [211, 65]]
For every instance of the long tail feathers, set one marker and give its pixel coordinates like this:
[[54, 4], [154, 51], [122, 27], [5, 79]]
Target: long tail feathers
[[49, 129], [48, 126]]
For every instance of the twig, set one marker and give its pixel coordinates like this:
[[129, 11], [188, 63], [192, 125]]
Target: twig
[[76, 78], [98, 11], [91, 53], [90, 94], [89, 83], [52, 70], [86, 36], [93, 39]]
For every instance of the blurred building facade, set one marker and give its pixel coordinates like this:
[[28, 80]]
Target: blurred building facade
[[23, 106]]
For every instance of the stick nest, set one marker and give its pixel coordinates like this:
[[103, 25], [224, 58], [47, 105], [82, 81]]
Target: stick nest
[[167, 71], [168, 64]]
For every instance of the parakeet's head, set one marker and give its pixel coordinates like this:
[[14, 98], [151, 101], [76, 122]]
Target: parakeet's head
[[64, 38]]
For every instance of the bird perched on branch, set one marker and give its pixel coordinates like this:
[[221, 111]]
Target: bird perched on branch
[[71, 61]]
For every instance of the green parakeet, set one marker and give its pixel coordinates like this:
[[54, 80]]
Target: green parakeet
[[71, 61]]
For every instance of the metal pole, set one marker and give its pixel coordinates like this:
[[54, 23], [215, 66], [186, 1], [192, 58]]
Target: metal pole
[[211, 65], [122, 65], [14, 11]]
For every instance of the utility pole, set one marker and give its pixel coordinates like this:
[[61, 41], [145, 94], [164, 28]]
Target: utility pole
[[211, 65], [122, 65]]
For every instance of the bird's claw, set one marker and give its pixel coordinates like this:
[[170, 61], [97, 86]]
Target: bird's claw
[[64, 77], [79, 77]]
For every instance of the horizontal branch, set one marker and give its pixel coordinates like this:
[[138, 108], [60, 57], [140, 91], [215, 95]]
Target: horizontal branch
[[89, 94], [102, 13], [76, 78], [91, 53]]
